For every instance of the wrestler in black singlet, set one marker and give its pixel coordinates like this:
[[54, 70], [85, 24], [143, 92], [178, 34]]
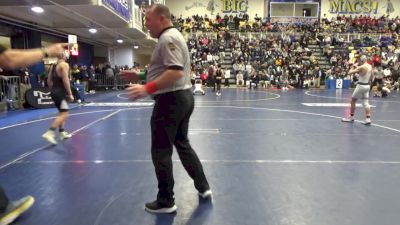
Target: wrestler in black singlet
[[58, 91]]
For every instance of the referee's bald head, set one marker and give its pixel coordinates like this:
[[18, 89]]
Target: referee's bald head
[[160, 9], [158, 18]]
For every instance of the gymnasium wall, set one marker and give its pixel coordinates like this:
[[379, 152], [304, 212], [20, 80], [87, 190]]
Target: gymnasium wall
[[212, 7]]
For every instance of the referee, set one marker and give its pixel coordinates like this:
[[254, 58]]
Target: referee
[[168, 81]]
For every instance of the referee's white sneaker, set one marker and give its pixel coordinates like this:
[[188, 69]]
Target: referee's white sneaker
[[367, 121]]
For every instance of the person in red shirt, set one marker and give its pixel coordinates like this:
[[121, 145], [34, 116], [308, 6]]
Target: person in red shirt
[[376, 60]]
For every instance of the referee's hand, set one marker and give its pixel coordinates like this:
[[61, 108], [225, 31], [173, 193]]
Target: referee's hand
[[136, 91], [130, 75]]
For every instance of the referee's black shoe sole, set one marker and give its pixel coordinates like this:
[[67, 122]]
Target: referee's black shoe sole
[[156, 207]]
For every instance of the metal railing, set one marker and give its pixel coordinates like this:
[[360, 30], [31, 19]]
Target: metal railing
[[114, 82], [12, 91], [347, 37], [137, 18]]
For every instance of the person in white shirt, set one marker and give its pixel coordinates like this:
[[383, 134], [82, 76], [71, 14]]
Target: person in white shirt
[[377, 74], [387, 72], [327, 40], [227, 75], [209, 57]]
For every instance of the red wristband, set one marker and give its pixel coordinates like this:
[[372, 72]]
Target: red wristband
[[151, 87]]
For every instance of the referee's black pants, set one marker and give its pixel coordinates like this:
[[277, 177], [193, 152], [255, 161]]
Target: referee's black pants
[[169, 127]]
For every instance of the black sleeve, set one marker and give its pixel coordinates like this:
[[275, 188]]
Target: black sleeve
[[2, 49], [175, 67]]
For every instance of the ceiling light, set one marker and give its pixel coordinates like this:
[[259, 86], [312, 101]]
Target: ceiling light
[[37, 9], [136, 46], [93, 30], [120, 41]]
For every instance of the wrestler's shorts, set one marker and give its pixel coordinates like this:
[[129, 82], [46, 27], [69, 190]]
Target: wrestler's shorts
[[60, 100], [361, 91]]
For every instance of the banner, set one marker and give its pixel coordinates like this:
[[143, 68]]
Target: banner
[[235, 6], [296, 1], [121, 7], [211, 8], [354, 6], [40, 98], [360, 7]]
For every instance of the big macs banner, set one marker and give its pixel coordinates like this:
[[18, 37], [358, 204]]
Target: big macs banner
[[360, 7], [211, 8]]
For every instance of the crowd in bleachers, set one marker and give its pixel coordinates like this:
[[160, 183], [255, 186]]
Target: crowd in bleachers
[[284, 59], [242, 22], [274, 60]]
